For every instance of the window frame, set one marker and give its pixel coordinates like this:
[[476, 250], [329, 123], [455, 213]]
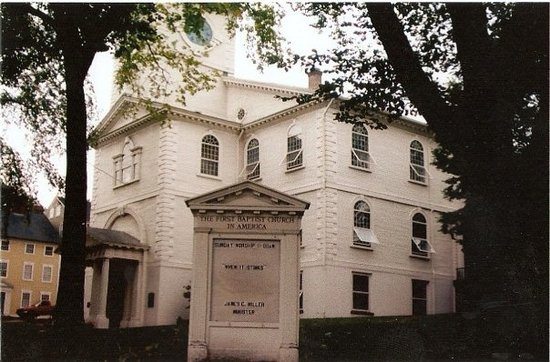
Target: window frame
[[48, 294], [44, 266], [46, 248], [419, 237], [205, 157], [362, 231], [5, 245], [355, 308], [358, 137], [23, 292], [23, 275], [418, 172], [127, 162], [252, 167], [7, 262], [33, 248], [415, 298]]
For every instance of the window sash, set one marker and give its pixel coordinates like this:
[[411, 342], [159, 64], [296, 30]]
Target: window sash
[[421, 246], [48, 250], [25, 299], [3, 269], [360, 158], [209, 167], [47, 272], [294, 159], [364, 237], [29, 248], [5, 245], [253, 170], [27, 271]]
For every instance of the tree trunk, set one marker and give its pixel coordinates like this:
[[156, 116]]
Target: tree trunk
[[70, 297]]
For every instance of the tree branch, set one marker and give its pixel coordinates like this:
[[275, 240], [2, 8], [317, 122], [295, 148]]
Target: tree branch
[[35, 12], [422, 92]]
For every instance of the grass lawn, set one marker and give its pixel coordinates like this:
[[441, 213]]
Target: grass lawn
[[428, 338]]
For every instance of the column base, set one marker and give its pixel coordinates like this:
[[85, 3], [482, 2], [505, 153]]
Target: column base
[[101, 322], [197, 351], [288, 353]]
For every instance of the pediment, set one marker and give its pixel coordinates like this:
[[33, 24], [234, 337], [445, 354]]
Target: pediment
[[124, 112], [247, 195]]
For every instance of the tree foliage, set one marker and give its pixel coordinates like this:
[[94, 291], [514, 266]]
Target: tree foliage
[[478, 74], [47, 51]]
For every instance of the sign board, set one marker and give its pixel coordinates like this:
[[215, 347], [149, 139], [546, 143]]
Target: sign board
[[245, 274]]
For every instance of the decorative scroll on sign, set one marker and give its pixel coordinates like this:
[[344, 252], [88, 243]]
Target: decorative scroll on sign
[[245, 280]]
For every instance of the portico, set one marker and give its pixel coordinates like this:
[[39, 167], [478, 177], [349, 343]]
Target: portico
[[118, 262]]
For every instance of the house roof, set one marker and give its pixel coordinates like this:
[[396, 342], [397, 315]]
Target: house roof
[[33, 227], [115, 238]]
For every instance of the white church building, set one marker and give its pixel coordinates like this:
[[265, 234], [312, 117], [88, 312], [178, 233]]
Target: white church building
[[371, 241]]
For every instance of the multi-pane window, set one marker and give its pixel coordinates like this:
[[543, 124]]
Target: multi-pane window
[[25, 299], [362, 233], [48, 250], [360, 146], [419, 242], [417, 169], [29, 248], [360, 292], [253, 159], [301, 294], [5, 245], [127, 163], [27, 271], [419, 297], [44, 296], [47, 273], [3, 268], [294, 151], [209, 155]]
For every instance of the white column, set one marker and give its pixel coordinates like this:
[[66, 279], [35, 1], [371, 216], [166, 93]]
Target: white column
[[101, 320], [197, 349], [289, 317]]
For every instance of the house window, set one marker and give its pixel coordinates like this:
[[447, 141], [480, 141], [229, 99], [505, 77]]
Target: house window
[[48, 250], [29, 248], [3, 269], [5, 245], [419, 297], [25, 299], [360, 292], [47, 273], [45, 296], [294, 154], [362, 233], [360, 147], [416, 166], [27, 271], [420, 245], [209, 155], [301, 294], [253, 160], [127, 163]]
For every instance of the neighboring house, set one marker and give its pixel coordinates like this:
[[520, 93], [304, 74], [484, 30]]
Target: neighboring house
[[29, 266], [371, 241]]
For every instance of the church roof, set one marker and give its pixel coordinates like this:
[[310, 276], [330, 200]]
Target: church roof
[[115, 238]]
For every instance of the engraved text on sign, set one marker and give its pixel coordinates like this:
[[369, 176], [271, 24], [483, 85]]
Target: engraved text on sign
[[245, 280]]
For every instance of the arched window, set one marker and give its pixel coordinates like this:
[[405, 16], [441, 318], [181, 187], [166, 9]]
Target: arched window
[[362, 233], [419, 242], [294, 154], [209, 155], [417, 169], [360, 146], [127, 163], [253, 159]]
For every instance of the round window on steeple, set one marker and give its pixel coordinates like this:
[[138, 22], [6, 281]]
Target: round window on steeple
[[241, 113], [203, 37]]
